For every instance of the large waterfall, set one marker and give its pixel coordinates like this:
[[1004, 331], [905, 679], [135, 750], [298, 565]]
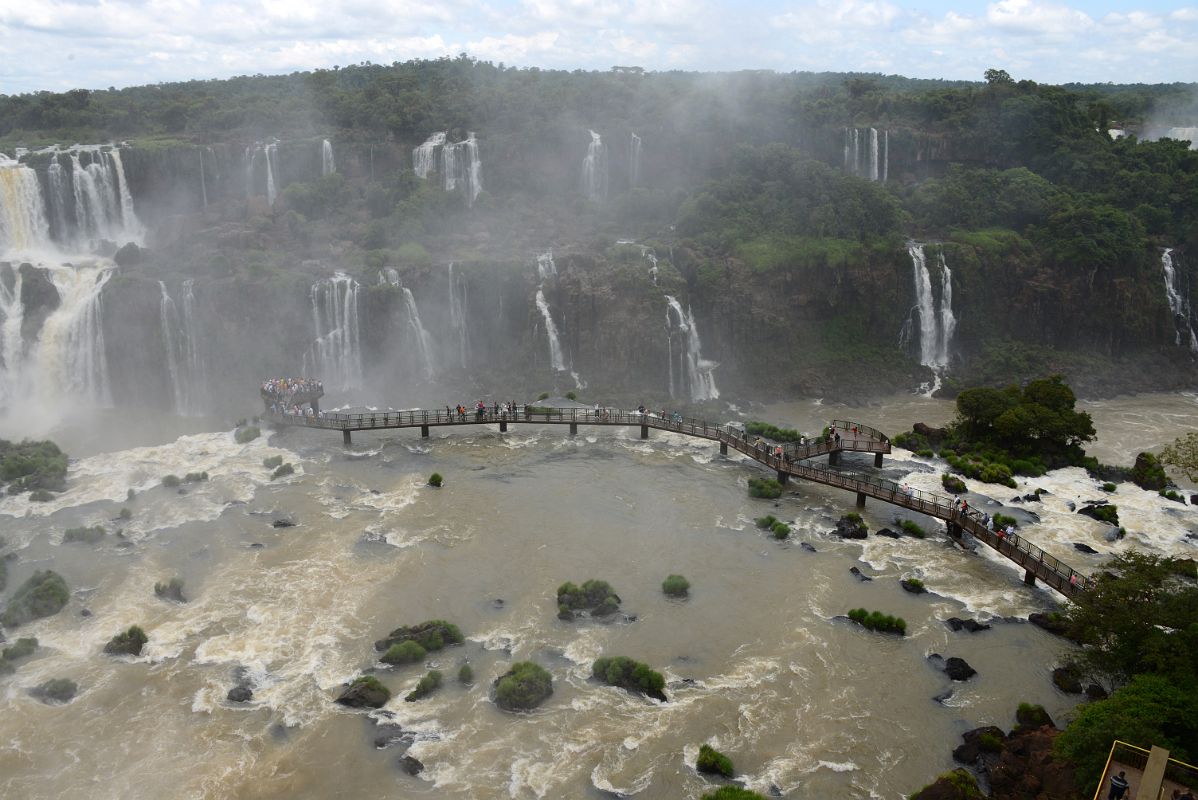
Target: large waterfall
[[424, 342], [12, 315], [335, 356], [694, 372], [594, 169], [182, 340], [460, 164], [1179, 304], [555, 347], [267, 154], [457, 314], [934, 315], [634, 161], [23, 224], [327, 165], [866, 154]]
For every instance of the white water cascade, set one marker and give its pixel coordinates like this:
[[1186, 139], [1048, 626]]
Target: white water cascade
[[12, 315], [460, 165], [23, 223], [327, 165], [935, 314], [1179, 304], [594, 169], [58, 199], [546, 269], [424, 157], [424, 342], [335, 356], [457, 314], [203, 182], [867, 154], [555, 348], [634, 161], [694, 372], [268, 152], [181, 340]]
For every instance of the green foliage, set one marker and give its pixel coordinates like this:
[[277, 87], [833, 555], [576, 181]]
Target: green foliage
[[953, 484], [372, 690], [171, 481], [283, 471], [766, 488], [767, 522], [1151, 709], [435, 480], [990, 743], [428, 684], [1109, 487], [273, 462], [58, 690], [1170, 494], [431, 635], [772, 432], [1003, 520], [1149, 472], [40, 496], [128, 643], [90, 535], [126, 513], [195, 477], [408, 652], [912, 528], [877, 621], [732, 793], [466, 675], [524, 687], [246, 434], [543, 396], [714, 762], [959, 784], [628, 674], [854, 518], [914, 583], [571, 395], [1032, 716], [32, 466], [595, 596], [780, 530], [22, 648], [43, 595], [676, 586], [1182, 455], [1108, 513]]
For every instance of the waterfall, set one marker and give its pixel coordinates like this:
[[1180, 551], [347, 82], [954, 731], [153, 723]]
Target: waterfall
[[181, 339], [866, 153], [130, 224], [23, 222], [634, 161], [270, 173], [424, 342], [693, 368], [59, 200], [457, 314], [555, 348], [594, 169], [168, 321], [873, 154], [886, 157], [70, 361], [335, 356], [935, 315], [545, 267], [12, 315], [269, 152], [327, 166], [1179, 304], [203, 183], [424, 157]]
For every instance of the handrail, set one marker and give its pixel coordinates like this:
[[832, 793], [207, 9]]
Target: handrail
[[1050, 569]]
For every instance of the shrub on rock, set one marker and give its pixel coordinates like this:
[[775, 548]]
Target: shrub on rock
[[913, 585], [246, 434], [365, 692], [1030, 715], [90, 535], [766, 488], [1149, 473], [676, 586], [171, 590], [911, 528], [952, 483], [56, 690], [1067, 680], [435, 480], [40, 496], [631, 675], [283, 472], [1101, 511], [732, 793], [404, 653], [956, 785], [851, 526], [595, 596], [43, 595], [713, 762], [430, 683], [431, 635], [126, 513], [21, 648], [780, 530], [127, 643], [766, 522], [466, 675], [195, 477], [524, 687], [1109, 487], [273, 462], [877, 621], [171, 481]]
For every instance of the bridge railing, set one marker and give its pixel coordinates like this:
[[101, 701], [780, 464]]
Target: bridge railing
[[848, 425]]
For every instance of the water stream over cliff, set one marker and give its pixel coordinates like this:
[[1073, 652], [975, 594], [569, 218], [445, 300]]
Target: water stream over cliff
[[458, 317], [327, 165], [594, 169], [182, 340], [1179, 305], [932, 315], [694, 372], [336, 353], [867, 155]]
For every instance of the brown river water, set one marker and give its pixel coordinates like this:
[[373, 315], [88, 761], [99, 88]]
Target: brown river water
[[755, 660]]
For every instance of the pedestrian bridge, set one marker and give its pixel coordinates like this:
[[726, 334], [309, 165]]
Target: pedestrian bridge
[[787, 460]]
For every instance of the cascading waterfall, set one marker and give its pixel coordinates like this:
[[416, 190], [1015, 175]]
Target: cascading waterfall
[[59, 200], [69, 362], [269, 154], [12, 315], [634, 161], [694, 371], [1179, 304], [457, 314], [424, 157], [203, 182], [327, 165], [92, 214], [129, 221], [23, 223], [935, 315], [594, 169], [181, 340], [460, 163], [424, 342], [866, 154], [555, 348], [168, 321], [546, 269], [335, 356]]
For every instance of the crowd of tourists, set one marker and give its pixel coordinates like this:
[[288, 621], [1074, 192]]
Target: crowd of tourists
[[284, 395]]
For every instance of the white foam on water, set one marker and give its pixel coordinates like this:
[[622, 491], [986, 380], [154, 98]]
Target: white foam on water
[[838, 766]]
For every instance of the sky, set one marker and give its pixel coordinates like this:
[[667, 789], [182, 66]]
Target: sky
[[63, 44]]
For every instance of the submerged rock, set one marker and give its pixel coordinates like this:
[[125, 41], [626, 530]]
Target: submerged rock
[[851, 526], [958, 669], [1082, 547], [808, 546], [860, 575], [410, 765], [283, 522], [56, 690], [970, 625], [240, 694], [889, 534]]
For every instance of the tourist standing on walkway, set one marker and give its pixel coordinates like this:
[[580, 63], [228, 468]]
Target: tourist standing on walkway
[[1119, 786]]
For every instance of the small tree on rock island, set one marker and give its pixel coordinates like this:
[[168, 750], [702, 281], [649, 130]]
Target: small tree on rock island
[[1182, 455]]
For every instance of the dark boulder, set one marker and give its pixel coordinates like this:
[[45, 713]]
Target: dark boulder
[[130, 255], [955, 785], [1026, 767], [1033, 716], [1100, 510], [1053, 623], [1082, 547], [958, 669], [1148, 473], [1067, 680], [913, 585], [1096, 692], [240, 694], [127, 643], [56, 690], [40, 299], [933, 434], [970, 625], [860, 575], [365, 692], [283, 522], [851, 526], [943, 697], [889, 534], [808, 546], [987, 739], [410, 765]]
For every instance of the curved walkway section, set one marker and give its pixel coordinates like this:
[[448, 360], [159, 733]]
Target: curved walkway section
[[786, 459]]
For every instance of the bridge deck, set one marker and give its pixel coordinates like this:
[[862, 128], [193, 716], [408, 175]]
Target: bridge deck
[[854, 437]]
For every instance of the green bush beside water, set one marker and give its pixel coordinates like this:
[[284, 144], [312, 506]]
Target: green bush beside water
[[426, 686], [431, 635], [127, 643], [32, 466], [766, 488], [628, 674], [877, 621], [466, 675], [912, 528], [246, 434], [21, 648], [714, 762], [43, 595], [775, 433], [273, 462], [171, 481], [90, 535], [676, 586], [404, 653], [594, 595], [283, 471], [524, 687], [435, 480]]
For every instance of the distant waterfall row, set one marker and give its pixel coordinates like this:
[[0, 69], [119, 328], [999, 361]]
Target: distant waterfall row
[[459, 165], [1179, 303], [693, 377], [867, 155], [932, 315], [79, 197], [336, 354], [261, 167]]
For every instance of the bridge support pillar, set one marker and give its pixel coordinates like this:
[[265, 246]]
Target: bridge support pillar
[[573, 428], [503, 426], [423, 431], [644, 431], [878, 460], [723, 448], [954, 530], [345, 438], [783, 477], [834, 458], [860, 500], [1029, 578]]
